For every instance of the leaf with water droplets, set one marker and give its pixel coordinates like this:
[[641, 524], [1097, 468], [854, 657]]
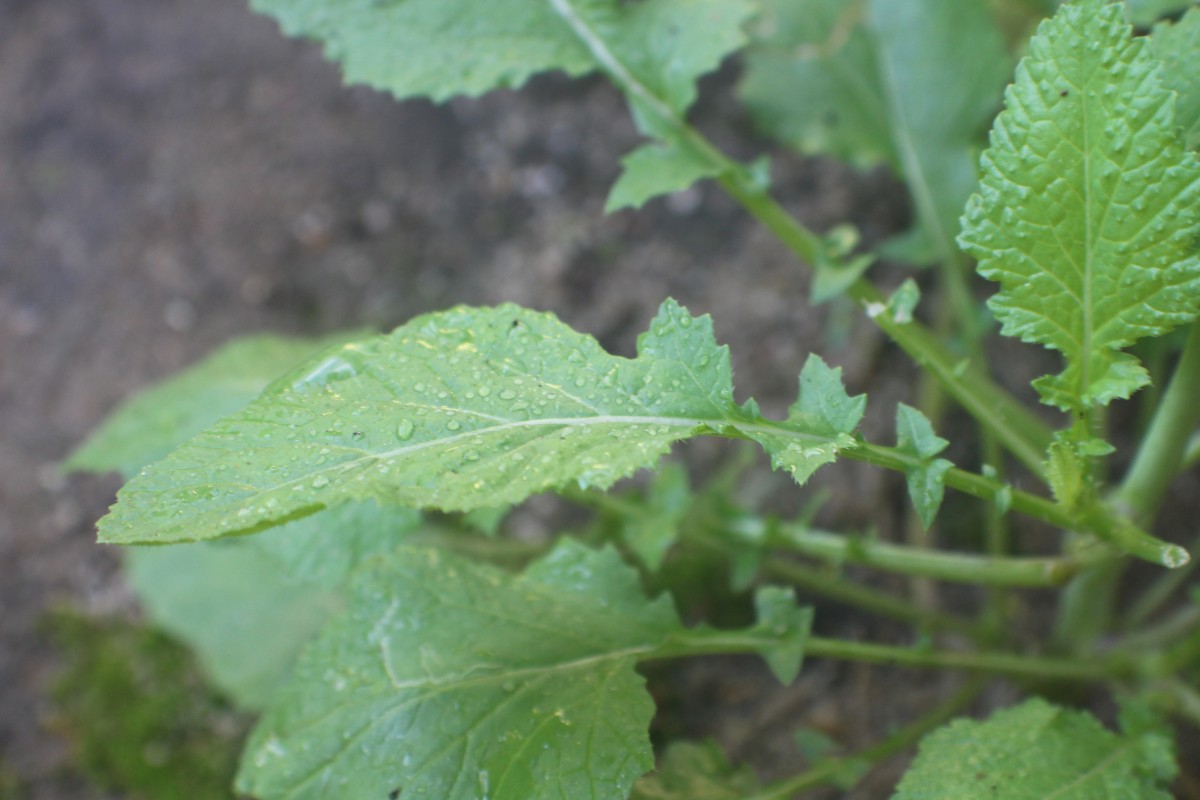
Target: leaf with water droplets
[[464, 409], [449, 679], [654, 51], [1089, 206], [1037, 750], [156, 421], [819, 423]]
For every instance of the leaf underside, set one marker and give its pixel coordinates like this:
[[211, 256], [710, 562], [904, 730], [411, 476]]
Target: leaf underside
[[654, 51], [471, 683], [467, 409], [1037, 750], [1089, 206]]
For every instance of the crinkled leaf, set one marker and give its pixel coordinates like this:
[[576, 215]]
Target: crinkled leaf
[[915, 436], [464, 409], [1037, 750], [449, 679], [653, 50], [247, 605], [1177, 46], [1089, 207], [789, 625], [825, 411], [696, 771], [156, 421], [910, 84]]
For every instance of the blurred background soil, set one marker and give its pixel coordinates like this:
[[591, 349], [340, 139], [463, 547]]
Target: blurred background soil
[[175, 173]]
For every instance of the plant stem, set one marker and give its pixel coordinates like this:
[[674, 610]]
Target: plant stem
[[714, 642], [829, 771], [1023, 434], [836, 587], [1162, 449], [956, 567]]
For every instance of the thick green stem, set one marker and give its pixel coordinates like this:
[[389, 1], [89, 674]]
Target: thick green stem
[[1089, 605], [1164, 446], [831, 770], [956, 567]]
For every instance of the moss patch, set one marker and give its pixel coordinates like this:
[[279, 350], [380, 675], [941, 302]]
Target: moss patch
[[139, 713]]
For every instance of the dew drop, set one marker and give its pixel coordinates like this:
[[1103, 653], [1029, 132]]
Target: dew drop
[[507, 394], [453, 425], [319, 482], [404, 430]]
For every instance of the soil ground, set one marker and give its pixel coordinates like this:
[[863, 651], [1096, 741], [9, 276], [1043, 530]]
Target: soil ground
[[176, 173]]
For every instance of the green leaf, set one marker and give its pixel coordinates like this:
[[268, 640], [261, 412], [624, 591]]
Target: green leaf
[[149, 426], [789, 624], [650, 529], [465, 409], [1177, 46], [655, 169], [653, 50], [1147, 12], [1089, 207], [915, 436], [696, 771], [453, 680], [912, 85], [247, 605], [1037, 750], [825, 412]]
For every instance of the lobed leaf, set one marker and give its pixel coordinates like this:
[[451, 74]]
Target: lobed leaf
[[653, 50], [827, 415], [1039, 750], [449, 679], [911, 85], [926, 484], [467, 409], [1176, 45], [1089, 206]]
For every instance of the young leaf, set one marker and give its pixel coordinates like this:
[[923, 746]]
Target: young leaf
[[1176, 45], [779, 615], [152, 424], [654, 51], [465, 409], [910, 84], [1089, 207], [915, 436], [247, 605], [696, 771], [453, 680], [1038, 750], [825, 411], [650, 529]]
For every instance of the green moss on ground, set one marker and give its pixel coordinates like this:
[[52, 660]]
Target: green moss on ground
[[141, 717]]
